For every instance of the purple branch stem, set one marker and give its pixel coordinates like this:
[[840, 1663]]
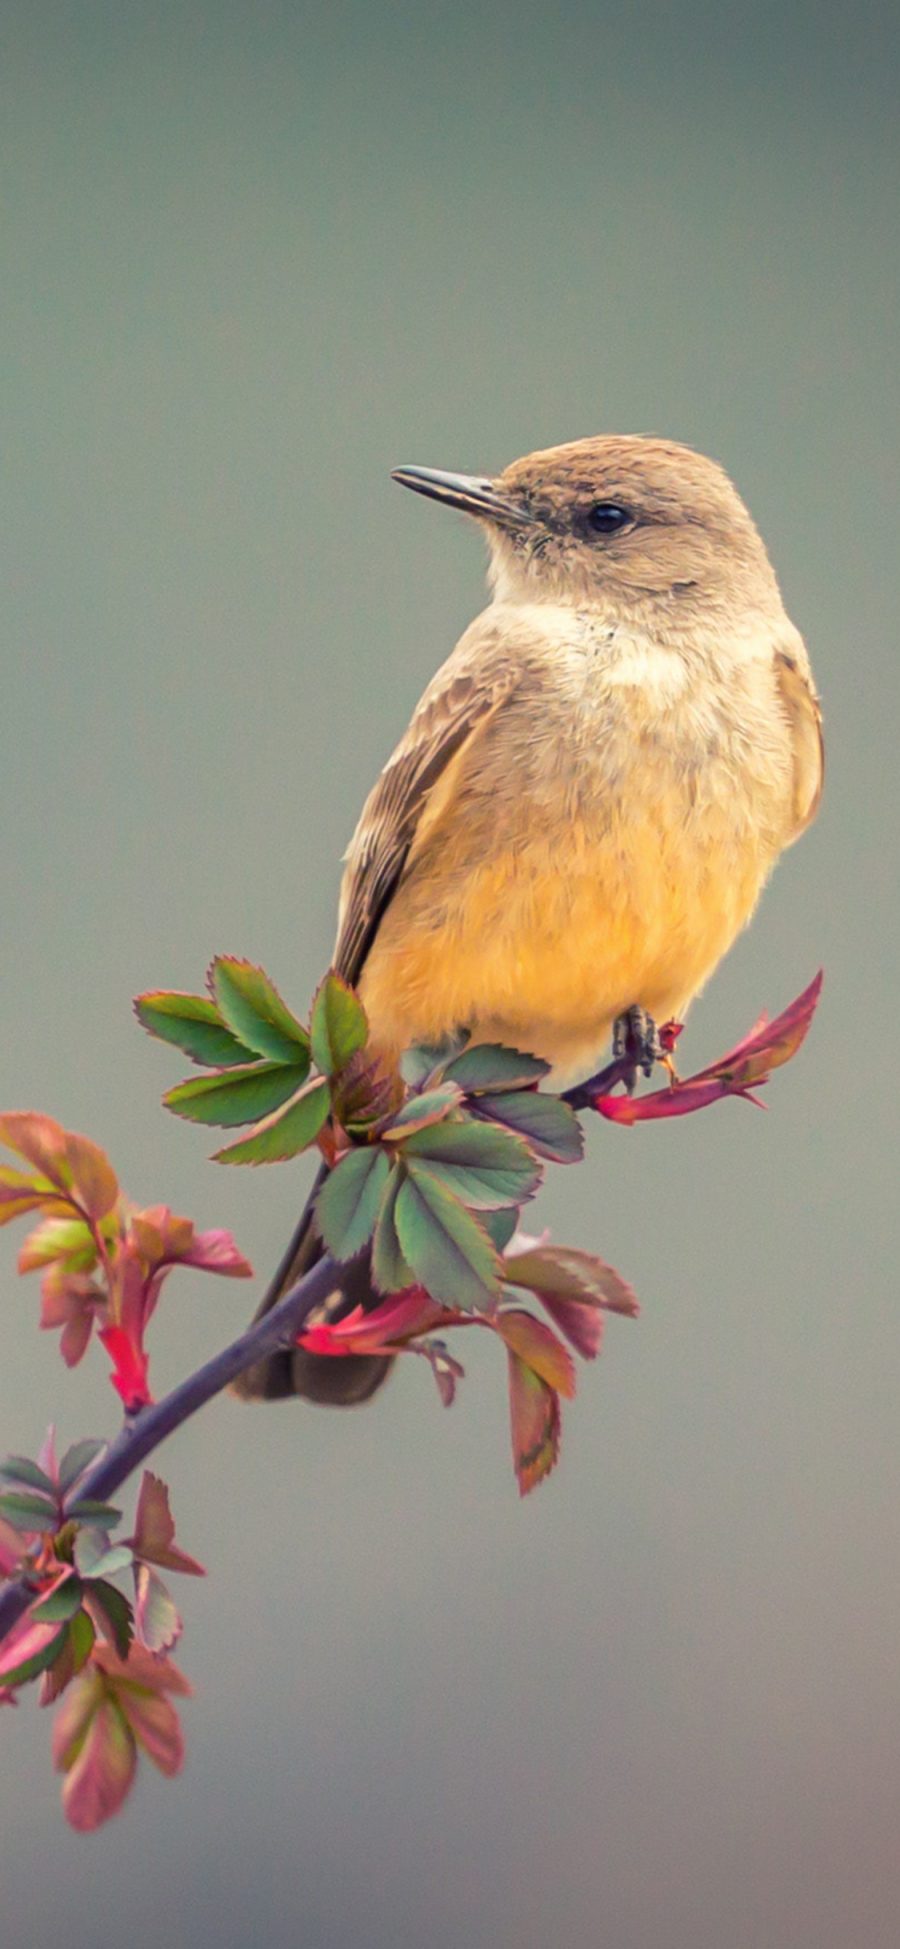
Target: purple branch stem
[[142, 1434]]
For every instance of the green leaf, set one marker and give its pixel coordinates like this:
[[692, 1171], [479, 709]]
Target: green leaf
[[422, 1059], [115, 1611], [347, 1205], [18, 1468], [548, 1124], [94, 1558], [61, 1604], [500, 1225], [338, 1025], [192, 1023], [28, 1512], [486, 1167], [81, 1639], [254, 1011], [420, 1111], [286, 1132], [76, 1459], [37, 1663], [239, 1096], [390, 1271], [449, 1253], [488, 1066], [100, 1514]]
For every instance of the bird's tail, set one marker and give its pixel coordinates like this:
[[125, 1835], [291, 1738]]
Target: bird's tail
[[335, 1381]]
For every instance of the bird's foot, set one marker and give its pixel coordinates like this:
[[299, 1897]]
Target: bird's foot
[[636, 1044]]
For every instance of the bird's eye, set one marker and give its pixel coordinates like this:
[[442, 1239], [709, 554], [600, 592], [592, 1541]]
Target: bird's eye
[[606, 516]]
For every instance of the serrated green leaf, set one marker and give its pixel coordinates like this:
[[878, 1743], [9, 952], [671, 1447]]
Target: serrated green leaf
[[191, 1023], [338, 1025], [61, 1605], [422, 1059], [486, 1167], [253, 1009], [28, 1512], [286, 1132], [390, 1271], [76, 1459], [116, 1612], [500, 1225], [488, 1066], [418, 1112], [348, 1202], [100, 1514], [238, 1096], [449, 1252], [548, 1124], [81, 1639], [38, 1662], [18, 1468]]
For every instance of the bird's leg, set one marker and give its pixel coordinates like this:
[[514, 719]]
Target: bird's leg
[[636, 1042], [636, 1046]]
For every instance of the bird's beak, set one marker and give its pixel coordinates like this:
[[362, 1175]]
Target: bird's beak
[[473, 496]]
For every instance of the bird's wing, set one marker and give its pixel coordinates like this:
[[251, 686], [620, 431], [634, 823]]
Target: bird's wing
[[455, 709], [803, 712]]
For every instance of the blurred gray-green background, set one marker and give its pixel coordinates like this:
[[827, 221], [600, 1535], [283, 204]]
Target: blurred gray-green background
[[255, 255]]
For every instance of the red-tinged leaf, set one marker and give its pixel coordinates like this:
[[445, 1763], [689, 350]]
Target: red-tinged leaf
[[162, 1239], [66, 1240], [286, 1132], [534, 1422], [193, 1024], [386, 1326], [71, 1724], [563, 1272], [348, 1202], [252, 1008], [156, 1726], [73, 1341], [237, 1095], [767, 1047], [216, 1251], [29, 1650], [154, 1530], [580, 1320], [141, 1668], [538, 1347], [99, 1779], [95, 1186], [547, 1124], [41, 1141], [488, 1066], [129, 1374], [156, 1620], [419, 1112], [485, 1167], [449, 1253], [338, 1025], [23, 1191]]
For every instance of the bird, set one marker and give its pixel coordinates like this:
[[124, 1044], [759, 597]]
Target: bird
[[590, 795]]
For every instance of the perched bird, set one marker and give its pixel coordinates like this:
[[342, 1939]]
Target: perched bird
[[592, 790]]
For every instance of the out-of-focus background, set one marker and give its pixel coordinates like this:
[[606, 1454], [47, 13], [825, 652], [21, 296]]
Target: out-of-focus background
[[255, 256]]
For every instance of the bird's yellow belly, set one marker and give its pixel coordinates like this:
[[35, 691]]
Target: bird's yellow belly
[[541, 940]]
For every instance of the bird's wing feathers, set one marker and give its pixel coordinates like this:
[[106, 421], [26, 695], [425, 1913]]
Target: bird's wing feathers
[[456, 707], [803, 712]]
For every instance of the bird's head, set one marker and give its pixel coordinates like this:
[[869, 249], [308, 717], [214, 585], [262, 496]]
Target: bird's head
[[617, 519]]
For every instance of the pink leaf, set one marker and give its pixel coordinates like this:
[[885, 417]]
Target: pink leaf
[[216, 1251], [157, 1727], [538, 1347], [100, 1777], [751, 1062], [154, 1530], [95, 1186]]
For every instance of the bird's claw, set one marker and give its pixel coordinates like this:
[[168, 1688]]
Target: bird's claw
[[637, 1043]]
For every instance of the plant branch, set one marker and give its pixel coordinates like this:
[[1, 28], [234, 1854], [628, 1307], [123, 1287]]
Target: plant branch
[[141, 1435]]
